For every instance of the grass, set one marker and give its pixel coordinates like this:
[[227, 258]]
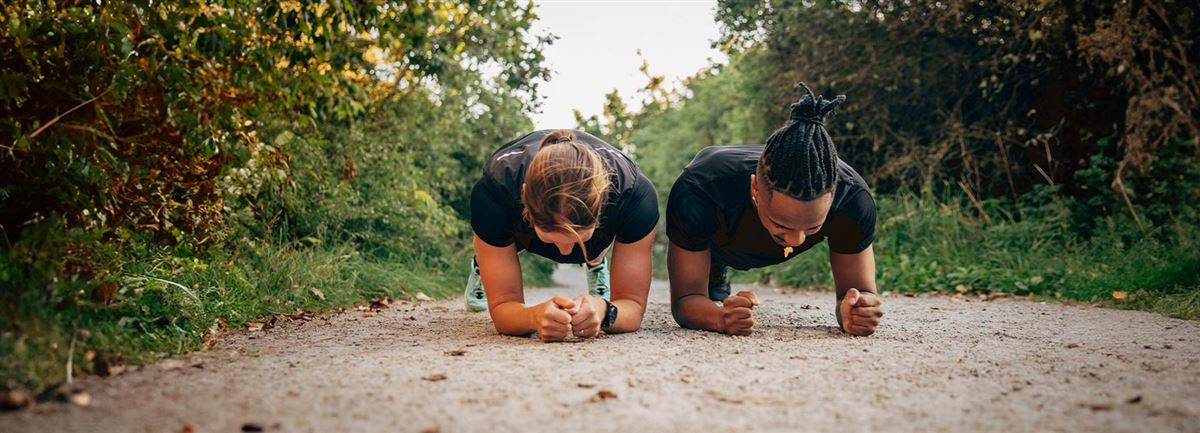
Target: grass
[[165, 304], [925, 244]]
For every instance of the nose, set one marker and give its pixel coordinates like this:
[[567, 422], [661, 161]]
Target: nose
[[794, 239], [565, 249]]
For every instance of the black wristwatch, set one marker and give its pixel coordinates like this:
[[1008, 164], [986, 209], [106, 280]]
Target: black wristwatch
[[610, 316]]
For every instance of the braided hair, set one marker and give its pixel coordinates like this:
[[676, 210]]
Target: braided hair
[[800, 159]]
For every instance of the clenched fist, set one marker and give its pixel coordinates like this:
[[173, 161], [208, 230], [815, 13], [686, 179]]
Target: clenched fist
[[586, 320], [860, 312], [553, 318], [735, 313]]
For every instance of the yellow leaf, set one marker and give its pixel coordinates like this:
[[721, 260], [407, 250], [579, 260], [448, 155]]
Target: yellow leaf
[[1118, 294]]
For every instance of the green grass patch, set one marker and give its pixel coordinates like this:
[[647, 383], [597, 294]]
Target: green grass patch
[[926, 244], [164, 304]]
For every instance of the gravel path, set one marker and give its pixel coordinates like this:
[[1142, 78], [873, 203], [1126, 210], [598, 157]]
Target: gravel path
[[936, 364]]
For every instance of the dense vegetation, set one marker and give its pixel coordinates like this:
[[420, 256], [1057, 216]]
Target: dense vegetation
[[1023, 147], [176, 167]]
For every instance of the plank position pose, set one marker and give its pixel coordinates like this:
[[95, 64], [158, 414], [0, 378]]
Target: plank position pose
[[754, 206], [567, 196]]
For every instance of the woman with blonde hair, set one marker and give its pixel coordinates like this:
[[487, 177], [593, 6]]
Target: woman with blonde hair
[[570, 197]]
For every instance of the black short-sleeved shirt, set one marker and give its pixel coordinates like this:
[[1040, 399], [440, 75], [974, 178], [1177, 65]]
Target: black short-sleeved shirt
[[630, 211], [710, 208]]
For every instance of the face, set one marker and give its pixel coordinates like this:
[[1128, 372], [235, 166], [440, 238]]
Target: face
[[790, 221], [564, 240]]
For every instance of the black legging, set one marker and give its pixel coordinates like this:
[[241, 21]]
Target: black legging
[[718, 279]]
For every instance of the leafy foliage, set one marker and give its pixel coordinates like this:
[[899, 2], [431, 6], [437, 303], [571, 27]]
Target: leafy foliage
[[1002, 96], [169, 165]]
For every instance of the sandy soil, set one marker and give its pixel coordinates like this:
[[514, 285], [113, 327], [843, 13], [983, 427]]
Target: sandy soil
[[934, 365]]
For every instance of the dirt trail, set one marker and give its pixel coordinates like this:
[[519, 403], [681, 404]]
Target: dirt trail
[[934, 365]]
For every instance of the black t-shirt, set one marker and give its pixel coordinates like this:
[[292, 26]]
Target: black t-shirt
[[710, 208], [629, 214]]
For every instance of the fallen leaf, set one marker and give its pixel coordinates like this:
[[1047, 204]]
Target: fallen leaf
[[1072, 345], [633, 383], [320, 295], [603, 394], [108, 365], [380, 302], [435, 378], [81, 399], [1135, 399], [961, 288], [1100, 407], [456, 352], [586, 385], [688, 378], [1119, 294], [421, 296], [14, 398], [104, 292], [253, 326], [212, 334], [809, 307], [187, 429], [368, 313], [304, 315], [252, 427]]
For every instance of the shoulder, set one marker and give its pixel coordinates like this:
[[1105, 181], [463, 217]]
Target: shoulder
[[852, 193], [725, 159]]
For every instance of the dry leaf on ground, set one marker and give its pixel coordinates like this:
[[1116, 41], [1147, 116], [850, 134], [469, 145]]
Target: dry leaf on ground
[[603, 394]]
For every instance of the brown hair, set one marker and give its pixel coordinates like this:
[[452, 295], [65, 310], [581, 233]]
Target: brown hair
[[566, 186]]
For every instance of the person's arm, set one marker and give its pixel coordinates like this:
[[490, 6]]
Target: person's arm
[[500, 271], [689, 296], [858, 305], [631, 273]]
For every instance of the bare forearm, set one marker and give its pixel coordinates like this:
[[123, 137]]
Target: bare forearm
[[514, 318], [629, 316], [696, 311]]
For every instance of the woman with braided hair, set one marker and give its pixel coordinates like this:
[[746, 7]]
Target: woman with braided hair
[[753, 206], [570, 197]]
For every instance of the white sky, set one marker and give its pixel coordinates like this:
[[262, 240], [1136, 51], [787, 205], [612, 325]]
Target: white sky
[[597, 51]]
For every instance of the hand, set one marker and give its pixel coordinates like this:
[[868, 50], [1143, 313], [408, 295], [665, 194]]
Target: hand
[[860, 312], [586, 321], [735, 313], [553, 318]]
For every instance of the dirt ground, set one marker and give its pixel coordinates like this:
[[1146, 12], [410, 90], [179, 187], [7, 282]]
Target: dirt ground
[[935, 364]]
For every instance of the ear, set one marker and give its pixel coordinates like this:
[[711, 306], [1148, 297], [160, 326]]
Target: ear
[[753, 185]]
